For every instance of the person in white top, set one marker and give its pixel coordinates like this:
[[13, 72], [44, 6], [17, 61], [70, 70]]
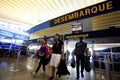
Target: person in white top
[[88, 53]]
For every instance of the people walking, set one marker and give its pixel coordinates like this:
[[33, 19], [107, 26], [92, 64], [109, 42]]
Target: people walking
[[43, 53], [58, 53], [80, 49]]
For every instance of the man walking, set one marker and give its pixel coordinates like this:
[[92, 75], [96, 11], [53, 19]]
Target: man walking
[[80, 49]]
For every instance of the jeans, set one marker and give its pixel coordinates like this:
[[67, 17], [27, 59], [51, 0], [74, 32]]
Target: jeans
[[41, 63], [78, 58]]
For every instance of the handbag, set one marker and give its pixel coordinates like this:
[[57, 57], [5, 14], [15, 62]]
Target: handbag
[[73, 62], [87, 64], [62, 69]]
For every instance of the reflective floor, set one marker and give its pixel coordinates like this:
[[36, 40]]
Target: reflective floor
[[21, 68]]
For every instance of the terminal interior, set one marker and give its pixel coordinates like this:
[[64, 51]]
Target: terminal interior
[[24, 23]]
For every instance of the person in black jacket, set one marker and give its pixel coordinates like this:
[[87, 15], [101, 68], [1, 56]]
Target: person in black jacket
[[80, 49]]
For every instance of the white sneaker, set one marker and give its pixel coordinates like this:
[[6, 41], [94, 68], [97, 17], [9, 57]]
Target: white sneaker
[[34, 74], [43, 73]]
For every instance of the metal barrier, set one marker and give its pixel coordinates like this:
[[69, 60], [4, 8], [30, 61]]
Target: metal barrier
[[14, 66], [100, 72], [109, 65]]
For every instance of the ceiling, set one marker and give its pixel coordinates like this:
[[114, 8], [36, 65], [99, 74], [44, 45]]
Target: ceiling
[[34, 12]]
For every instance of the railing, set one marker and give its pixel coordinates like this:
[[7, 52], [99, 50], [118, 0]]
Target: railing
[[106, 65]]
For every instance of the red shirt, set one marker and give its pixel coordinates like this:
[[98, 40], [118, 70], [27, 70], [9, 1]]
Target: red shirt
[[46, 51]]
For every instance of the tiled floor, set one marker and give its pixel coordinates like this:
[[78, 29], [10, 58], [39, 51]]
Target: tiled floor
[[26, 65]]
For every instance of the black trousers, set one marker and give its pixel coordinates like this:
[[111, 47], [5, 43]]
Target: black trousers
[[42, 60], [78, 58]]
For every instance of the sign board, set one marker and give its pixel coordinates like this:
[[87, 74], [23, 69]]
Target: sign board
[[91, 11], [77, 28]]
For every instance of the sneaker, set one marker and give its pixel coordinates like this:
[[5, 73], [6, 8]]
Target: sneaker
[[34, 74], [43, 72], [82, 75], [51, 78]]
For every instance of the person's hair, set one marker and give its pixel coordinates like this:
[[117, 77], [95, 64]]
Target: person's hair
[[57, 35], [45, 41], [81, 38]]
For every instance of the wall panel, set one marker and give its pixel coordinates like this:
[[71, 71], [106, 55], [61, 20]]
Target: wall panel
[[62, 29], [89, 24], [106, 21]]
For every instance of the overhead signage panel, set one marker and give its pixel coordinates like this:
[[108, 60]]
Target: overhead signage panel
[[6, 33], [95, 34], [91, 11], [21, 37]]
